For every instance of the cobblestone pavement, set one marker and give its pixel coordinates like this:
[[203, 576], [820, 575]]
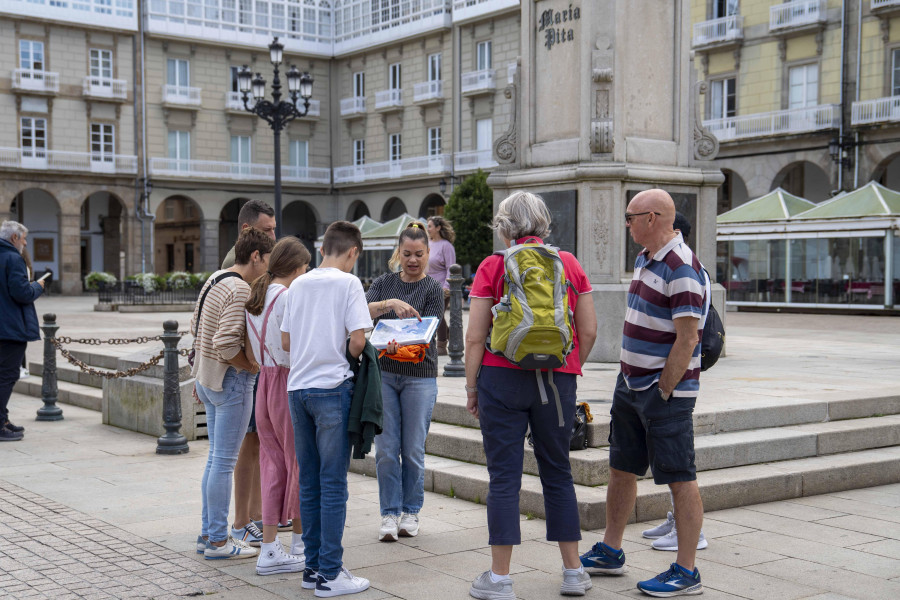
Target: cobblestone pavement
[[48, 550]]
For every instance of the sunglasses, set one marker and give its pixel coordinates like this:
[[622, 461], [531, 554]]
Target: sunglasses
[[629, 216]]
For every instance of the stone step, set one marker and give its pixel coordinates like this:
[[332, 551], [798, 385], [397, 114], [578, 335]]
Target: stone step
[[68, 372], [714, 451], [720, 489], [67, 392]]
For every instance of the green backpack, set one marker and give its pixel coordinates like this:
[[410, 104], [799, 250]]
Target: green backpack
[[532, 325]]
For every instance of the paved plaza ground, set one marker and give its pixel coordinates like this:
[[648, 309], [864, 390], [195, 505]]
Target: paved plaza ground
[[90, 511]]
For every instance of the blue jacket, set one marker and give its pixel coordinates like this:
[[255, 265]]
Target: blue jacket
[[18, 319]]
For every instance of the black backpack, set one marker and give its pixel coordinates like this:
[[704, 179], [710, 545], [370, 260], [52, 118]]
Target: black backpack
[[579, 440], [713, 332]]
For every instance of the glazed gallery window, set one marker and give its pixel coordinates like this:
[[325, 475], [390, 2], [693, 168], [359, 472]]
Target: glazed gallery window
[[33, 139], [434, 141], [395, 146], [103, 137], [722, 99], [31, 55], [101, 66], [359, 152], [483, 59], [803, 82]]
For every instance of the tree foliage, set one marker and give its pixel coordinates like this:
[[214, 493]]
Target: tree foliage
[[470, 210]]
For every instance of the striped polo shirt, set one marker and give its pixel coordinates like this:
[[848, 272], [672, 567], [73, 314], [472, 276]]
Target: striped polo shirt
[[669, 285]]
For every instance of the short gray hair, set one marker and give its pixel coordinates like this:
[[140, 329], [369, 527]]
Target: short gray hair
[[11, 228], [522, 214]]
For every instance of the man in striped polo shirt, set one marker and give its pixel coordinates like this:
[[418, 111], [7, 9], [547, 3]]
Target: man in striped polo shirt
[[655, 392]]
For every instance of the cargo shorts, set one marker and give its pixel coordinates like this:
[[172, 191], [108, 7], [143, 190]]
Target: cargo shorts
[[646, 431]]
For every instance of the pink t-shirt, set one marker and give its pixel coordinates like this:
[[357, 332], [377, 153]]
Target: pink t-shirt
[[489, 284]]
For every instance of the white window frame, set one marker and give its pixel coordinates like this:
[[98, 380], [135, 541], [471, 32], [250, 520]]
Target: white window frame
[[895, 72], [35, 47], [728, 7], [484, 55], [395, 147], [394, 76], [298, 153], [484, 132], [434, 141], [241, 149], [359, 84], [359, 152], [103, 142], [233, 85], [719, 93], [181, 145], [101, 66], [434, 66], [807, 88], [173, 67], [33, 146]]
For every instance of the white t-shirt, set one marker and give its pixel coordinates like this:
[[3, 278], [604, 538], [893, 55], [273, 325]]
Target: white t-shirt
[[321, 309], [272, 335]]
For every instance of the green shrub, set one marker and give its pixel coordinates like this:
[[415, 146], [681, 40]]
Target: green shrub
[[93, 279]]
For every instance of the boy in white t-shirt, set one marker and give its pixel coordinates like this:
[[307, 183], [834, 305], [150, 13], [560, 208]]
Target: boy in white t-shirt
[[323, 308]]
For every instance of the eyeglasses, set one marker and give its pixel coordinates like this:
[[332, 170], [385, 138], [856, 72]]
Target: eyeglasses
[[629, 216]]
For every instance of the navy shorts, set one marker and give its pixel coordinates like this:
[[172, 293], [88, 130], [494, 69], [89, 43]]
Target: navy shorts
[[646, 431]]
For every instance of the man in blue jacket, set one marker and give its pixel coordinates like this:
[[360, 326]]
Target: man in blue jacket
[[19, 324]]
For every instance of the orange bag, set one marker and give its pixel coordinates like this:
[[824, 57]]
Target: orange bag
[[413, 354]]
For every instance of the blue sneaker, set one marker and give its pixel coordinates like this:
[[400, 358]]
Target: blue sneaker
[[603, 559], [677, 581], [202, 544]]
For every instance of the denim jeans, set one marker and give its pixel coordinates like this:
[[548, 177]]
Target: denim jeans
[[400, 449], [323, 452], [227, 416]]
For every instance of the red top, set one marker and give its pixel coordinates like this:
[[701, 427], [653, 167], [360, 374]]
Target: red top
[[489, 284]]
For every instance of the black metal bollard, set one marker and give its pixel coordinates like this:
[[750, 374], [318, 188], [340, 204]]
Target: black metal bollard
[[49, 388], [456, 367], [171, 442]]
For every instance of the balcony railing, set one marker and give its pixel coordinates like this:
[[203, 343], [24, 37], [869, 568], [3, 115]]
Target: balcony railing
[[718, 31], [56, 160], [799, 13], [101, 87], [477, 81], [879, 4], [174, 167], [880, 110], [428, 90], [388, 99], [35, 81], [394, 169], [782, 122], [472, 160], [465, 10], [181, 95], [353, 106]]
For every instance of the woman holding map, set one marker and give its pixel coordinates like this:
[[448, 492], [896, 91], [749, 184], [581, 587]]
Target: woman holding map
[[408, 389]]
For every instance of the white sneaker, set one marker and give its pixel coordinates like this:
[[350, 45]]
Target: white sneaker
[[344, 583], [390, 529], [575, 582], [23, 373], [232, 549], [273, 559], [669, 542], [409, 525], [660, 530], [202, 544]]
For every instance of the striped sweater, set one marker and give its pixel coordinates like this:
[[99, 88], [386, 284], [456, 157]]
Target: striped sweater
[[222, 329]]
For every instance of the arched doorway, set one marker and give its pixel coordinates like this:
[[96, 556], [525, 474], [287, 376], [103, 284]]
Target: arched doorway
[[732, 192], [357, 210], [804, 179], [102, 235], [177, 236], [888, 172], [393, 208], [39, 212], [433, 205], [228, 225], [301, 221]]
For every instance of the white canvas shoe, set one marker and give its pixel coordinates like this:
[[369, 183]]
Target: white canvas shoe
[[273, 559], [344, 583], [232, 549]]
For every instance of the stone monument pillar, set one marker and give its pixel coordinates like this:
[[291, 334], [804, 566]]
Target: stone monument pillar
[[603, 110]]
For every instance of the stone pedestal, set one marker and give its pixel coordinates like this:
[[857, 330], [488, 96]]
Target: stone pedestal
[[603, 111]]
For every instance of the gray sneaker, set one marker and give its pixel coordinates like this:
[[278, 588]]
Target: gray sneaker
[[575, 583], [485, 589]]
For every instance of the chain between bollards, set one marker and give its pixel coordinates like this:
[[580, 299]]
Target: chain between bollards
[[172, 441], [49, 388], [456, 367]]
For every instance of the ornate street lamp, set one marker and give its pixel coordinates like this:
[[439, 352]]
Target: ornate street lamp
[[277, 112]]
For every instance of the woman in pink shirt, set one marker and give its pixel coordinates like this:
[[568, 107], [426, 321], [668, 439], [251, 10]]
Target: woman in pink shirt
[[440, 243]]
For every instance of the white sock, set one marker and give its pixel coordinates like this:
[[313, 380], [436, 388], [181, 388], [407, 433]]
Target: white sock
[[269, 545], [498, 578], [296, 539], [580, 569]]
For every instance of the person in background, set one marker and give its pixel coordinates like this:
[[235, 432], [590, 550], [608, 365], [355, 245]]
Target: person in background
[[408, 390], [19, 324], [224, 383], [23, 372], [441, 256], [247, 487]]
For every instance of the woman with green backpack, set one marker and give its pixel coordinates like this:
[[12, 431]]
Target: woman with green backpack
[[531, 327]]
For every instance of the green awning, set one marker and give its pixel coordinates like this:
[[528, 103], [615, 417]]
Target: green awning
[[366, 224], [391, 229], [871, 200], [777, 205]]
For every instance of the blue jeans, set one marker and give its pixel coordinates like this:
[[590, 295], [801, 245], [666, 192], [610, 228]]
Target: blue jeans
[[400, 449], [227, 416], [323, 452]]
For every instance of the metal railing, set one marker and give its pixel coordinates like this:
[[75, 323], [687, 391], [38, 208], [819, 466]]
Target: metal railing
[[35, 81], [353, 106], [388, 98], [470, 9], [476, 81], [875, 111], [797, 14], [181, 94], [471, 160], [234, 101], [394, 169], [101, 87], [782, 122], [726, 29], [876, 4], [428, 90], [132, 293], [49, 160], [175, 167]]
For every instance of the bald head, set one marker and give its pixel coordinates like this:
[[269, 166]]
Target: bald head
[[657, 201], [650, 216]]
